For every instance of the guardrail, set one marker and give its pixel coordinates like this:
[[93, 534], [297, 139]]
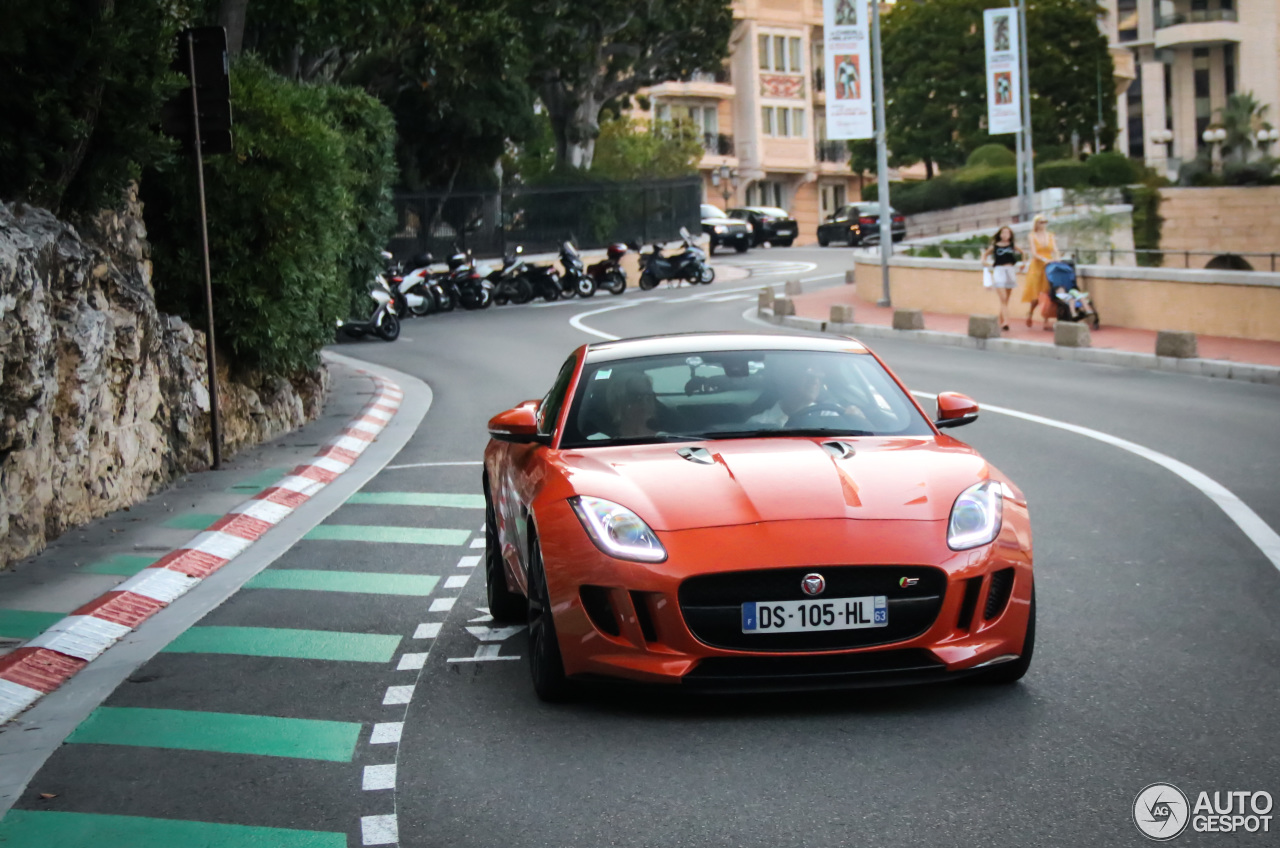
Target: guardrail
[[1197, 17]]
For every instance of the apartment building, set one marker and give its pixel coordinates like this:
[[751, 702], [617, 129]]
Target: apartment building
[[1188, 57], [763, 116]]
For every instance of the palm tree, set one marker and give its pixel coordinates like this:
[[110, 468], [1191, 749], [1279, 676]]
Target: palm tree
[[1242, 117]]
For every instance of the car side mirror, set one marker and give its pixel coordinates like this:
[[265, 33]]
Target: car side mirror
[[955, 410], [518, 426]]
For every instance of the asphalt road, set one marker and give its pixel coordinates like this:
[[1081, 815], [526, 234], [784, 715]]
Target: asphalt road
[[1157, 658]]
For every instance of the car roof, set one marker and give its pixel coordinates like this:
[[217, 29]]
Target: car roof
[[707, 342], [767, 210]]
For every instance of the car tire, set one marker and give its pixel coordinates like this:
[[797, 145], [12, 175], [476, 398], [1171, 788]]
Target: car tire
[[505, 605], [823, 241], [1012, 672], [546, 665]]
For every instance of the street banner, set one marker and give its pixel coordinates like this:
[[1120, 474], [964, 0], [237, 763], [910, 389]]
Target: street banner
[[1004, 84], [847, 43]]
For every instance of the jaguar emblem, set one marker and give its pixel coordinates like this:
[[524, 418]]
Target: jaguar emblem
[[813, 584]]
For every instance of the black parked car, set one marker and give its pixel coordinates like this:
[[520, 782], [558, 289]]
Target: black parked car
[[858, 224], [770, 223], [725, 231]]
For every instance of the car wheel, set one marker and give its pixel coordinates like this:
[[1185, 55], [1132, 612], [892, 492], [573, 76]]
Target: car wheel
[[1012, 672], [505, 605], [546, 666], [822, 240]]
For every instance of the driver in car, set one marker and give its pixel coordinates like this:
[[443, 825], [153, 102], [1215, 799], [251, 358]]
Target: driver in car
[[798, 390]]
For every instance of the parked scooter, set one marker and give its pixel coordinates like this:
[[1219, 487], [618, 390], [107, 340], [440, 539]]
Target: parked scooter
[[467, 284], [509, 282], [689, 265], [545, 280], [383, 322], [575, 279], [429, 284], [406, 289], [608, 273]]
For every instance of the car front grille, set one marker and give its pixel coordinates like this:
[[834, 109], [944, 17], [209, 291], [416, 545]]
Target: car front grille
[[712, 605]]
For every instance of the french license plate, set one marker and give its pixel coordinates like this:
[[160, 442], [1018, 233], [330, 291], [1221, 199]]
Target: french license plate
[[785, 232], [812, 616]]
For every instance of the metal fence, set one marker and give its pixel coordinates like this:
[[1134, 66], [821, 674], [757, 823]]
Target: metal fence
[[591, 215]]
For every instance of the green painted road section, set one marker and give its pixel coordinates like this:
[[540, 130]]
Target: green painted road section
[[125, 565], [26, 624], [418, 499], [363, 582], [258, 482], [401, 535], [192, 520], [38, 829], [294, 644], [225, 733]]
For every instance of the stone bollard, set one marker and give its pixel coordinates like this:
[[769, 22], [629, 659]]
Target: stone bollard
[[793, 288], [984, 326], [908, 319], [764, 299], [841, 313], [783, 306], [1173, 343], [1071, 334], [850, 277]]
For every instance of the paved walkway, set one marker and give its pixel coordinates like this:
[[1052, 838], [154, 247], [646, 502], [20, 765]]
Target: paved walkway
[[817, 305]]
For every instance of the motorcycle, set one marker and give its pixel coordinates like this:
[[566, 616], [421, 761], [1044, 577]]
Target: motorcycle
[[406, 289], [509, 283], [608, 272], [383, 322], [467, 284], [689, 265], [575, 279], [545, 280], [427, 284]]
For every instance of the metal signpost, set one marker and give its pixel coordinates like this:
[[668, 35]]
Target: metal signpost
[[882, 159]]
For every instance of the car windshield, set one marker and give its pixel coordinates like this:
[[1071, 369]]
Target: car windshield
[[871, 209], [738, 394], [709, 211]]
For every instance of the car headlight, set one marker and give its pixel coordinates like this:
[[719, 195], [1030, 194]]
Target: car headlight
[[976, 516], [719, 229], [618, 531], [750, 228]]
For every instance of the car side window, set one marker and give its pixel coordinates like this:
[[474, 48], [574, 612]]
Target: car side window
[[549, 410]]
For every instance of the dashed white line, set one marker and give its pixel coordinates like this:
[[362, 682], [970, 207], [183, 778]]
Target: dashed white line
[[469, 561], [477, 543], [386, 733], [411, 662], [441, 605], [379, 777], [457, 581], [398, 694], [379, 830], [432, 464], [484, 653], [428, 630]]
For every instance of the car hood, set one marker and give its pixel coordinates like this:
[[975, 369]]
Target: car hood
[[779, 479], [724, 222]]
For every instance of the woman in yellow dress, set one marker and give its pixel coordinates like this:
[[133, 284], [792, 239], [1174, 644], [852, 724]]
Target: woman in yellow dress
[[1044, 249]]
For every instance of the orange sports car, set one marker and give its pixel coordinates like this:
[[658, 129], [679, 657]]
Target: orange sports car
[[731, 511]]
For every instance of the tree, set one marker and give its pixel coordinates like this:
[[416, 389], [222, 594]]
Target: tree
[[1242, 117], [935, 77], [629, 150], [590, 52]]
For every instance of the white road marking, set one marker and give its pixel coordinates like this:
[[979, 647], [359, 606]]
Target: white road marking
[[379, 777], [477, 543], [495, 634], [399, 694], [484, 615], [469, 561], [411, 662], [441, 605], [727, 298], [432, 464], [428, 630], [1249, 522], [484, 653], [379, 830], [576, 321], [457, 581], [386, 733]]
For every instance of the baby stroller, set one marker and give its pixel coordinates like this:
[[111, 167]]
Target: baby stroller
[[1072, 303]]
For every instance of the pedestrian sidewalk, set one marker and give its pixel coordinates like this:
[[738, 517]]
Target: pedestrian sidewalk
[[174, 537], [1255, 361]]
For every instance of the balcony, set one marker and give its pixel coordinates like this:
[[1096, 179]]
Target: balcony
[[832, 152], [717, 144], [717, 85], [1203, 28]]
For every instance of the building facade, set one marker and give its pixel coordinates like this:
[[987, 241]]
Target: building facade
[[763, 117], [1188, 57]]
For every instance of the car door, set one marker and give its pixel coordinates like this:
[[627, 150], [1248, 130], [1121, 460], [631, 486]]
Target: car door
[[840, 216]]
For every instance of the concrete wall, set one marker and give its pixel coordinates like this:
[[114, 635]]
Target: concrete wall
[[1236, 219], [1235, 304]]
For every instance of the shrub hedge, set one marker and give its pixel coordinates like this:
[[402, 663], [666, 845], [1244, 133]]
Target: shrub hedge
[[297, 215], [1111, 169], [992, 156], [1064, 173]]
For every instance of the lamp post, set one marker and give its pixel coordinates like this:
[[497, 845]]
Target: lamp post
[[1214, 136], [1265, 136], [725, 177]]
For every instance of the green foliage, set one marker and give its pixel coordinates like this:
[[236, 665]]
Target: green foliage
[[296, 216], [629, 150], [935, 77], [979, 184], [81, 88], [317, 39], [1242, 117], [992, 156], [1258, 172], [1147, 222], [1064, 173], [1111, 169]]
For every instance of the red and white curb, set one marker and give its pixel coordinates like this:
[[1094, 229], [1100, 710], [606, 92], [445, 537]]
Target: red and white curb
[[49, 660]]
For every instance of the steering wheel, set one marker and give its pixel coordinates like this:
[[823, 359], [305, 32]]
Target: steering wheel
[[817, 415]]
